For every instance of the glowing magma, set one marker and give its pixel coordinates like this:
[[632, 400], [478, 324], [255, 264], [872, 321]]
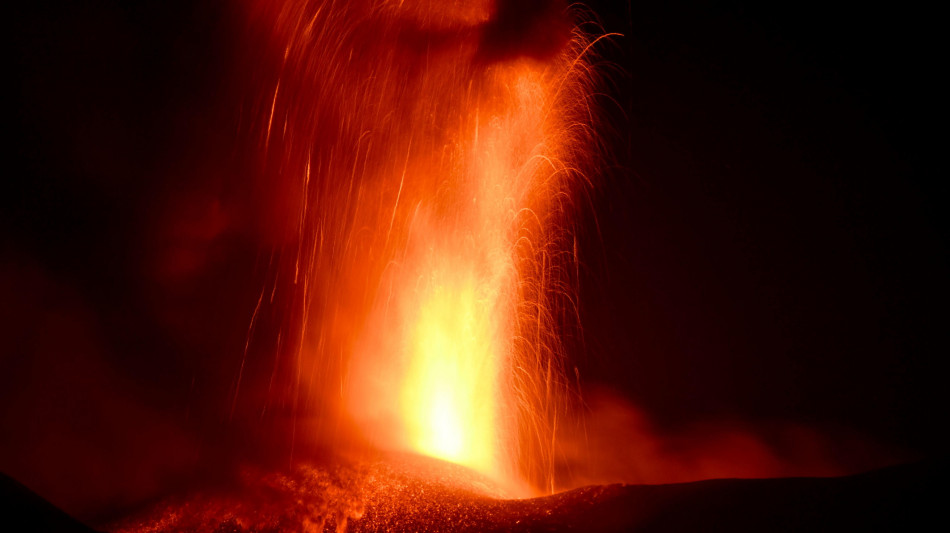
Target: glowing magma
[[429, 266], [455, 357], [449, 393]]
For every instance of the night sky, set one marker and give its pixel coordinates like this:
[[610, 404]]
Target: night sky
[[773, 241], [766, 241]]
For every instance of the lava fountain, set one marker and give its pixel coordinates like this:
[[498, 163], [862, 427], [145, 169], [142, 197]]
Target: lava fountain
[[424, 157]]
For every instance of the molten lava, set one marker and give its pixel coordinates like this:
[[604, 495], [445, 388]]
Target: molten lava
[[448, 398], [428, 155], [457, 367]]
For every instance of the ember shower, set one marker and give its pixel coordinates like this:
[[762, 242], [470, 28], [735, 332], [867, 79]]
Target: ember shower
[[424, 158]]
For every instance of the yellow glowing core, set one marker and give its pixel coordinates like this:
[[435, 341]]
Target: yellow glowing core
[[448, 396]]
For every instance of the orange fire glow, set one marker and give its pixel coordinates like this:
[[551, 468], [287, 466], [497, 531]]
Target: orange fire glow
[[456, 370], [432, 262]]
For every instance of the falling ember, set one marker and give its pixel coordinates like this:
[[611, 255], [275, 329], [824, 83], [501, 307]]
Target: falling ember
[[429, 264]]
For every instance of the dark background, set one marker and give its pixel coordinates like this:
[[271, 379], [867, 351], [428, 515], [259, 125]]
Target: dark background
[[773, 235], [766, 241]]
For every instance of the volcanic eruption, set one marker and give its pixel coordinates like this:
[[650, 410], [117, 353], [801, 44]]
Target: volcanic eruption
[[430, 155], [349, 287]]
